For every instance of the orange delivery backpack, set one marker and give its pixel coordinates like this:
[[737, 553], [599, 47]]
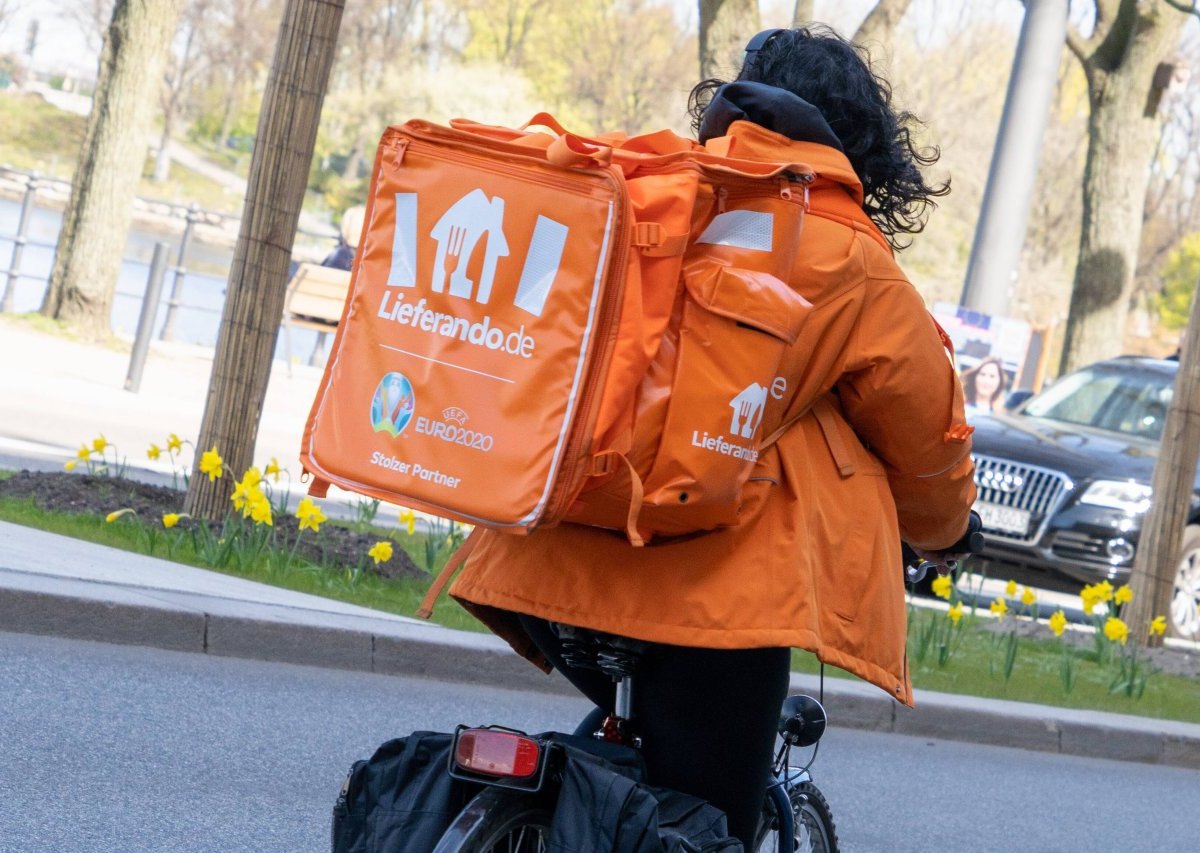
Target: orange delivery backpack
[[542, 328]]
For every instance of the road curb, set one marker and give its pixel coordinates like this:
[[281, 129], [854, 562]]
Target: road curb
[[427, 652], [145, 618], [1000, 722]]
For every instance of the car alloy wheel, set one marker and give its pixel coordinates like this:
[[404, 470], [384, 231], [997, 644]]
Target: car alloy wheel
[[1185, 601]]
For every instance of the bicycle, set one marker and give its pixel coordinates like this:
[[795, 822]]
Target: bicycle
[[521, 775], [513, 814]]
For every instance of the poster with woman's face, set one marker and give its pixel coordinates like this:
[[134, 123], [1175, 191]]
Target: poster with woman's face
[[990, 352]]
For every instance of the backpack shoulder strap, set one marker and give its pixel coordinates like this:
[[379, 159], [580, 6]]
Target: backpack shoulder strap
[[824, 412], [453, 564]]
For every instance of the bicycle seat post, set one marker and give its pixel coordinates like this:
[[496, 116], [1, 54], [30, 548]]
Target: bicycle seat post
[[624, 701]]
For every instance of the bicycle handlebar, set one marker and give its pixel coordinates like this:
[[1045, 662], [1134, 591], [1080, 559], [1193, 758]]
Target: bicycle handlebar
[[971, 542]]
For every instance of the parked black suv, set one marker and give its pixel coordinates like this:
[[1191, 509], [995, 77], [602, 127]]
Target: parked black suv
[[1064, 479]]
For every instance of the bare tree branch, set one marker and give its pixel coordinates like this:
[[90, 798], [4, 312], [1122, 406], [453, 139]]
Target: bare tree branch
[[1193, 9], [1111, 51], [6, 9], [881, 21], [1078, 45]]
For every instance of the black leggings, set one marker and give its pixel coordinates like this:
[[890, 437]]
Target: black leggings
[[707, 718]]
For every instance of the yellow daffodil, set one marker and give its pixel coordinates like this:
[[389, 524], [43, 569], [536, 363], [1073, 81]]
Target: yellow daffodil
[[998, 606], [272, 469], [1158, 626], [1123, 594], [252, 478], [115, 514], [153, 451], [1028, 597], [1058, 623], [381, 551], [409, 519], [212, 464], [170, 519], [70, 464], [310, 515], [260, 509], [99, 443], [174, 443], [239, 497], [1094, 594], [84, 452], [942, 585], [955, 613], [1010, 588], [1116, 630]]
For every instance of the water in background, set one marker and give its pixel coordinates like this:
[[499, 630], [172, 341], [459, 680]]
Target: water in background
[[202, 296]]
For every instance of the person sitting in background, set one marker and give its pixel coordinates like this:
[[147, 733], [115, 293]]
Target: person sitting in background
[[342, 257], [984, 386]]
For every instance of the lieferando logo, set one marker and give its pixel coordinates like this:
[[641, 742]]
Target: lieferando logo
[[393, 404]]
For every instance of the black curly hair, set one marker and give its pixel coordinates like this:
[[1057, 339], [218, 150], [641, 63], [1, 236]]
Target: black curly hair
[[835, 76]]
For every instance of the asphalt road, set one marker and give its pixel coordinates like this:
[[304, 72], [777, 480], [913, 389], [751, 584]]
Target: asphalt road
[[112, 748]]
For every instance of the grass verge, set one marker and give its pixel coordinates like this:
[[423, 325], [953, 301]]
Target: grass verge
[[976, 667], [393, 596], [39, 137]]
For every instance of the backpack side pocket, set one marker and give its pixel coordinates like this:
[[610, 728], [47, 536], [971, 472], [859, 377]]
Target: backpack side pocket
[[735, 327]]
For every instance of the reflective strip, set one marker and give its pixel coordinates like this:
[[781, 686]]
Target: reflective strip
[[741, 229], [541, 265], [403, 271]]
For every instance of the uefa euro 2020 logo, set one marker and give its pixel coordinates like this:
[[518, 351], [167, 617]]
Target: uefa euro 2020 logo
[[393, 404]]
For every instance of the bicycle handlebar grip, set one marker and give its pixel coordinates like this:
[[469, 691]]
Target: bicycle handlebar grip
[[971, 542]]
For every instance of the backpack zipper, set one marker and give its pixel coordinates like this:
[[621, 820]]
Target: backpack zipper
[[597, 361], [427, 146]]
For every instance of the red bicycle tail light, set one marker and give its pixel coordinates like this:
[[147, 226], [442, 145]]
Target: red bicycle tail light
[[497, 753]]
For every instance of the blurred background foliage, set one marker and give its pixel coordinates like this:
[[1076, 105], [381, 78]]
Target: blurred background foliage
[[629, 64]]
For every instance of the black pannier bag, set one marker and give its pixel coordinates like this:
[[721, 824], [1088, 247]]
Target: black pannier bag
[[403, 799]]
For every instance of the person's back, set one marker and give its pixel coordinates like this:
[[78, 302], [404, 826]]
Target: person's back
[[884, 453], [349, 232]]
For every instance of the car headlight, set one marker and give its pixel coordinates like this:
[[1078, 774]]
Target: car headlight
[[1125, 495]]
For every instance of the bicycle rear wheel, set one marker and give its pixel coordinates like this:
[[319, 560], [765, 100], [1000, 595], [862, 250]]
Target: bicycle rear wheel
[[813, 829], [499, 820]]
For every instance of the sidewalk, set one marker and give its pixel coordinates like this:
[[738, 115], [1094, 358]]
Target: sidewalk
[[56, 394]]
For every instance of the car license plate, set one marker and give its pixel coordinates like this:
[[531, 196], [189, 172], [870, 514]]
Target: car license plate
[[1005, 519]]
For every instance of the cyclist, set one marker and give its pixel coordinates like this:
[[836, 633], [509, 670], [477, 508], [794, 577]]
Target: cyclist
[[884, 455]]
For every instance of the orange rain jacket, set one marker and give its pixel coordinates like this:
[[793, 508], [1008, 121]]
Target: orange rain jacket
[[816, 564]]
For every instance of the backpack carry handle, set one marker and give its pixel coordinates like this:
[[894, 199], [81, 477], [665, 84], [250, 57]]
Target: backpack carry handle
[[569, 150], [545, 120]]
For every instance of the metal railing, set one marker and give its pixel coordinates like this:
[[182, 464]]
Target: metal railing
[[20, 240], [192, 216]]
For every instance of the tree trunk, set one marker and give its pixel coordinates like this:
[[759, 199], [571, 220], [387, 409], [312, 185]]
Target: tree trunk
[[232, 96], [881, 22], [279, 167], [725, 27], [96, 220], [1157, 558], [354, 161], [174, 95], [162, 158], [1122, 128], [802, 13]]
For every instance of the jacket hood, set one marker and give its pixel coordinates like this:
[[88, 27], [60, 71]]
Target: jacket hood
[[767, 106], [759, 122]]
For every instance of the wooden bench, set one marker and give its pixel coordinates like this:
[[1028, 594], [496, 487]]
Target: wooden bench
[[314, 300]]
